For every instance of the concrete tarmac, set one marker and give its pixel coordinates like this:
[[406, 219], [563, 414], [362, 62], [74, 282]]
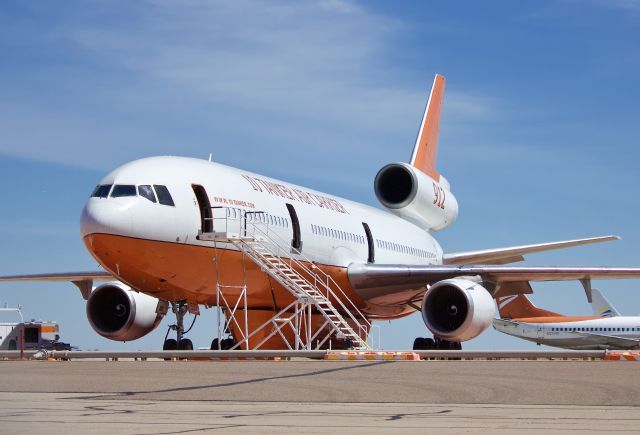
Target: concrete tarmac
[[318, 396]]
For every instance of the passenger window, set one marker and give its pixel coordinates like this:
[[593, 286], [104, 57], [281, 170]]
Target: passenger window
[[101, 191], [164, 197], [146, 191], [120, 190]]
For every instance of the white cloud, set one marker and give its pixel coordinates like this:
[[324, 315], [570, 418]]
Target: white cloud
[[171, 76]]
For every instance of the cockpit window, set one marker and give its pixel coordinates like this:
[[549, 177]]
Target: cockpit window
[[146, 191], [164, 197], [101, 191], [123, 190]]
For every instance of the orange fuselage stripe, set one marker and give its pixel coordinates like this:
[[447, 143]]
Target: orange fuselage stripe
[[178, 271]]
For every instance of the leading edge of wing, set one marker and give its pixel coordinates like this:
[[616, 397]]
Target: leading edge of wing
[[515, 253], [363, 276], [65, 276]]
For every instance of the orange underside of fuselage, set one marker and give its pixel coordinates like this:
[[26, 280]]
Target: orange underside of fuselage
[[180, 271]]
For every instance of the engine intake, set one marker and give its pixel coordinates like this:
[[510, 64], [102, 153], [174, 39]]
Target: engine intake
[[395, 186], [457, 309], [414, 196], [118, 313]]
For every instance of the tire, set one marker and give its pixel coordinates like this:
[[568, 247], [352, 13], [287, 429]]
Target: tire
[[185, 344], [214, 344], [428, 344], [418, 343], [227, 343], [170, 344]]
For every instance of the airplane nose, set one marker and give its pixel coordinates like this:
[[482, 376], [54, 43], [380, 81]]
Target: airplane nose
[[104, 216]]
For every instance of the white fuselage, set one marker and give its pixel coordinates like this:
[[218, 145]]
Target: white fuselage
[[592, 333], [332, 233]]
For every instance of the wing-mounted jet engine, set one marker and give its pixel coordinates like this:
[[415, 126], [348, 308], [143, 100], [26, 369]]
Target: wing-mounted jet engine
[[117, 312], [457, 309]]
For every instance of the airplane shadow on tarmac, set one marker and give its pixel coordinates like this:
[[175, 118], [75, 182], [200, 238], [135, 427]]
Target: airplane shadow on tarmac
[[130, 394]]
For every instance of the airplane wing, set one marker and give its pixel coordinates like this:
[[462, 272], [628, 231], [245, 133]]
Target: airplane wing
[[610, 340], [83, 280], [372, 280], [516, 253]]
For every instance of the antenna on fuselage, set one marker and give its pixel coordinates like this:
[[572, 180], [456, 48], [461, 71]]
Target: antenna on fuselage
[[210, 156]]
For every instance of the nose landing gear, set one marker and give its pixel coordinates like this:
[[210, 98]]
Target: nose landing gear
[[180, 309]]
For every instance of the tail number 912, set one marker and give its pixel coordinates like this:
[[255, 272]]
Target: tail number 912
[[438, 193]]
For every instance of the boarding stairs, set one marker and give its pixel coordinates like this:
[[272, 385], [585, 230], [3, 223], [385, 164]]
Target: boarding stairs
[[308, 284]]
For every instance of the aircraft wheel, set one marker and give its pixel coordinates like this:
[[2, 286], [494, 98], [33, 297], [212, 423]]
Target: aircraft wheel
[[422, 343], [185, 344], [429, 344], [418, 343], [170, 344], [214, 344], [13, 345], [227, 343]]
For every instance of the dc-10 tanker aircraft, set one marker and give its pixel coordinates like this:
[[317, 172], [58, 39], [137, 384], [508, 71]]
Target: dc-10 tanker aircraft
[[289, 267], [607, 329]]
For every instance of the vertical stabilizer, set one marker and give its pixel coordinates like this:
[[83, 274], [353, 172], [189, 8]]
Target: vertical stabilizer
[[601, 305], [519, 306], [426, 147]]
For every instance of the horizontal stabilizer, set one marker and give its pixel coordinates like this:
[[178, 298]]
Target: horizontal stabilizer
[[515, 253]]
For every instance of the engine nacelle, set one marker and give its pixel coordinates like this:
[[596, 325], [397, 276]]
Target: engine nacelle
[[416, 197], [119, 313], [457, 309]]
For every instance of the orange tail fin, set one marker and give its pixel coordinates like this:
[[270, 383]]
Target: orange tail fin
[[426, 147], [519, 306]]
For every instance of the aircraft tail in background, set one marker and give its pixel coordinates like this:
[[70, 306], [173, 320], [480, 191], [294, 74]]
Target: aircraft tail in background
[[519, 306], [601, 305]]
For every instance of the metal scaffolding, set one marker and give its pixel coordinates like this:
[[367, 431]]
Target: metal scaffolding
[[314, 291]]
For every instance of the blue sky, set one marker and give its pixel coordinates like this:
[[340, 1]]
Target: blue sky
[[539, 131]]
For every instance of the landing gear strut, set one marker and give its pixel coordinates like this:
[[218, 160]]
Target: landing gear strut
[[180, 309], [435, 343]]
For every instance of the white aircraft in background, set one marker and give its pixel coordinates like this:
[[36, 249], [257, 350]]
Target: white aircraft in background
[[185, 232], [606, 330]]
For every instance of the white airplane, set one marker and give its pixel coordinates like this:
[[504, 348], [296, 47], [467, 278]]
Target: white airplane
[[191, 233], [606, 330]]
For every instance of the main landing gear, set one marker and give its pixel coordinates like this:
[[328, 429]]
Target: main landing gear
[[435, 343], [224, 343], [180, 309]]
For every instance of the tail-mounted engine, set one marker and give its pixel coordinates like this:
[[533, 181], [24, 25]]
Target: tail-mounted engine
[[118, 313], [457, 309], [416, 197]]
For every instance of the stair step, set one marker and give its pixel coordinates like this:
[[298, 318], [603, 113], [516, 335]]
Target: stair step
[[298, 285]]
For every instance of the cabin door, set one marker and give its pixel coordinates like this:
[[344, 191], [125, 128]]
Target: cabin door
[[206, 217], [296, 241], [372, 253]]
